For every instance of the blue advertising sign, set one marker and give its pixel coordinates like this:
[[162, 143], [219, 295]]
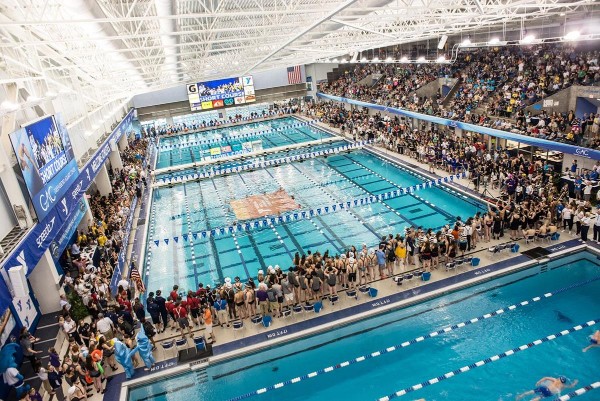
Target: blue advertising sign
[[60, 243], [46, 160], [528, 140]]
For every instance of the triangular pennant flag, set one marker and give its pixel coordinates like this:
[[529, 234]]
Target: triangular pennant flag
[[156, 241], [185, 237], [327, 209], [295, 216], [222, 230], [280, 219], [333, 207], [303, 215], [213, 232], [318, 210], [287, 217], [272, 220], [203, 234], [195, 235], [176, 239], [247, 227], [166, 241], [257, 224], [230, 229]]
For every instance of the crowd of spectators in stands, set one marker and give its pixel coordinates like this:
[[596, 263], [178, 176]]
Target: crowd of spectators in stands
[[89, 264], [494, 88]]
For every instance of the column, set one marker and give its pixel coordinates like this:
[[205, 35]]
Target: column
[[102, 181], [7, 175], [87, 218], [123, 142], [115, 160], [44, 280]]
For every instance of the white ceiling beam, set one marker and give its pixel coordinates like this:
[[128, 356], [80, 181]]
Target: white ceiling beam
[[312, 26], [362, 28]]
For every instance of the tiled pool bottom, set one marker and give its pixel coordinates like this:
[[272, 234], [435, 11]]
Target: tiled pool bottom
[[182, 250]]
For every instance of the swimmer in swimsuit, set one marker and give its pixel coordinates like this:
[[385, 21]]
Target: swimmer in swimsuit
[[548, 387], [594, 341]]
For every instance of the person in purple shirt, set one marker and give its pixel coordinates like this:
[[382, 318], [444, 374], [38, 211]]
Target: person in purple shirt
[[263, 299]]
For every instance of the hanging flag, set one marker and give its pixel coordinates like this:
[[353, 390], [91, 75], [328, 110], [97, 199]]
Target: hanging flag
[[156, 241], [167, 241], [294, 75], [176, 239], [136, 278], [185, 237]]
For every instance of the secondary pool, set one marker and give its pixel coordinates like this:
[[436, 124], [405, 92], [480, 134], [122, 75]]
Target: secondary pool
[[561, 295], [198, 146], [181, 254]]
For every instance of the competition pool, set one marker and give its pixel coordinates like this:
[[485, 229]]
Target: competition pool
[[461, 332], [194, 147], [183, 251]]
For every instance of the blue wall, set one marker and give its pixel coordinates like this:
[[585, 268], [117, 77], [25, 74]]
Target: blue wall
[[584, 106]]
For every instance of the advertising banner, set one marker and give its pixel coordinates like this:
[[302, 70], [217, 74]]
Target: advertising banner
[[45, 157]]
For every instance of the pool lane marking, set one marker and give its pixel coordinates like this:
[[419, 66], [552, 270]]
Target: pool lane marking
[[578, 392], [211, 240], [354, 216], [489, 360], [408, 343], [190, 236], [235, 240], [369, 193]]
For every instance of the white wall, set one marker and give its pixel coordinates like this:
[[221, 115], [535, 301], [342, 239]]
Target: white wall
[[262, 80], [318, 72]]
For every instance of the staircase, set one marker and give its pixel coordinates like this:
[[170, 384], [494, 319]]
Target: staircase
[[452, 92], [10, 241]]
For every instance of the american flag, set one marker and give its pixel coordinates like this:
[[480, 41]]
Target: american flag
[[294, 76], [137, 279]]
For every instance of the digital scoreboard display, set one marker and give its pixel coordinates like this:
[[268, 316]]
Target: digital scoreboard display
[[221, 93]]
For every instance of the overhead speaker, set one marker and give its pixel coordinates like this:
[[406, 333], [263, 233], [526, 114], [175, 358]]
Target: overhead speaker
[[18, 281], [443, 41]]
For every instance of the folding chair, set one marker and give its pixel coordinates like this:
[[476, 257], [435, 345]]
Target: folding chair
[[237, 326], [167, 345]]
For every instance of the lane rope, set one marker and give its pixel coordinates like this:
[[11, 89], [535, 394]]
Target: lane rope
[[405, 344], [489, 360], [578, 392]]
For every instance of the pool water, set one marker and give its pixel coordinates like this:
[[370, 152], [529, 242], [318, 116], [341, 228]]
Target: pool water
[[203, 205], [183, 150], [377, 377]]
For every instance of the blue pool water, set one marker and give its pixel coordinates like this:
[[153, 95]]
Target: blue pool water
[[374, 378], [265, 131], [196, 206]]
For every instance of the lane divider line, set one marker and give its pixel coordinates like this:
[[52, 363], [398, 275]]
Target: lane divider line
[[405, 344], [578, 392], [489, 360]]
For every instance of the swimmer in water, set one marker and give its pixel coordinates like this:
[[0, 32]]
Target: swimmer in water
[[548, 387], [594, 341]]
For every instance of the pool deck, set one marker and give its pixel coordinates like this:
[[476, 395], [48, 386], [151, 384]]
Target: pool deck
[[348, 309]]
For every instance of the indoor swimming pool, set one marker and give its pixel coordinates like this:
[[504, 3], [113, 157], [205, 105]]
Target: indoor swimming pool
[[488, 342], [197, 210], [198, 146]]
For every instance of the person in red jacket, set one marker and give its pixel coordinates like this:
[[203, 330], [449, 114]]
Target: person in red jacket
[[170, 307], [181, 317], [193, 304]]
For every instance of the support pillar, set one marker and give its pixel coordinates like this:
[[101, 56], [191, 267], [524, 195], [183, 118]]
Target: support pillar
[[123, 142], [87, 218], [9, 180], [115, 160], [102, 181], [44, 280]]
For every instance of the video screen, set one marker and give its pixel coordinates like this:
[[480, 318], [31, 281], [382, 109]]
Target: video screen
[[43, 151], [221, 93]]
